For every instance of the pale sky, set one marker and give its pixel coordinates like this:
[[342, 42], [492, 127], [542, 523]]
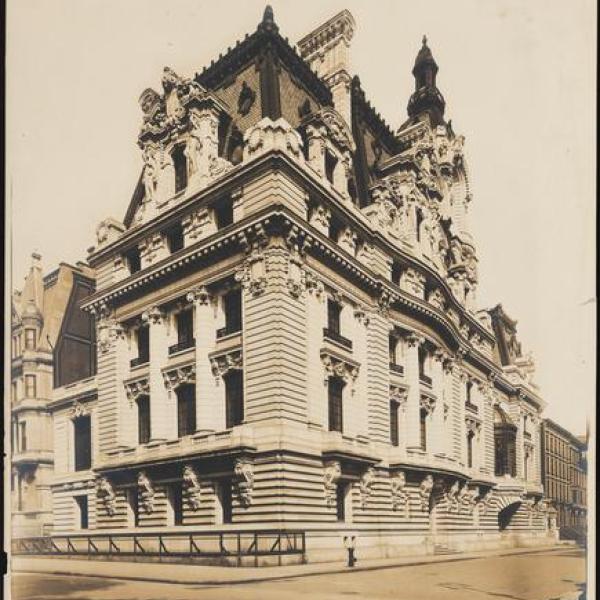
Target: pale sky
[[519, 82]]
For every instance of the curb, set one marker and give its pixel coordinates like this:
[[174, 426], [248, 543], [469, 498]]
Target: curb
[[312, 573]]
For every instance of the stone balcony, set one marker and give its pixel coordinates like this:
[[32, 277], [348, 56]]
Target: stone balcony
[[204, 444], [32, 456]]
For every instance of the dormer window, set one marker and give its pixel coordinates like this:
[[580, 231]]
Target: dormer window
[[174, 236], [30, 339], [330, 164], [180, 165], [224, 212], [132, 258]]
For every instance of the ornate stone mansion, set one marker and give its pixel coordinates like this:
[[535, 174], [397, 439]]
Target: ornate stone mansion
[[287, 330]]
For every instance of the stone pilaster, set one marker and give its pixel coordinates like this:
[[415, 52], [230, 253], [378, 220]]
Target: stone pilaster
[[411, 367], [437, 419], [462, 397], [127, 417], [359, 340], [163, 420], [210, 408]]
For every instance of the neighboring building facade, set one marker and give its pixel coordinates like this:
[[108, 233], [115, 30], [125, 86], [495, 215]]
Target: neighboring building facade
[[564, 474], [52, 343], [287, 326]]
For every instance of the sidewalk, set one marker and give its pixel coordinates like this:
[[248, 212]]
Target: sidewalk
[[209, 575]]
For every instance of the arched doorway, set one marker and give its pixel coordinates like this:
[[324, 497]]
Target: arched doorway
[[506, 514]]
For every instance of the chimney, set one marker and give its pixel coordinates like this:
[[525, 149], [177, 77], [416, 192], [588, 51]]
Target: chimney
[[327, 50]]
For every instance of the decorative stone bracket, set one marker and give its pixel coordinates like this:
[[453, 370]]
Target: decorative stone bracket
[[78, 410], [338, 367], [174, 378], [399, 496], [106, 495], [222, 364], [191, 487], [331, 476], [365, 485], [427, 403], [244, 474], [145, 492], [425, 489], [452, 496], [135, 389]]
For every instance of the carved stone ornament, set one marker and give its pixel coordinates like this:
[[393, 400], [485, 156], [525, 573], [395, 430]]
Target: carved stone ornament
[[365, 485], [107, 331], [427, 404], [222, 364], [199, 296], [436, 298], [414, 339], [337, 367], [191, 487], [425, 489], [145, 492], [383, 303], [295, 277], [106, 495], [331, 476], [400, 497], [361, 314], [197, 223], [313, 284], [484, 501], [472, 425], [452, 496], [137, 388], [153, 316], [398, 395], [79, 410], [246, 99], [253, 273], [174, 378], [244, 473]]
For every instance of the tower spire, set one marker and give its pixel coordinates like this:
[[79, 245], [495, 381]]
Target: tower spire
[[426, 97]]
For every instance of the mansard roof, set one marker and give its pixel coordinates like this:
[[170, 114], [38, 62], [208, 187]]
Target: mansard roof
[[251, 47]]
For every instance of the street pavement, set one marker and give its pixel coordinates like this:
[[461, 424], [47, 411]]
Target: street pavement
[[535, 576]]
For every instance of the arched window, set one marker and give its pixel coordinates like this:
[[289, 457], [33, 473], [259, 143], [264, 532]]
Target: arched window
[[505, 435], [186, 410], [470, 436]]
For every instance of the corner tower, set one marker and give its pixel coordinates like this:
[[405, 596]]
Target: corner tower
[[426, 97]]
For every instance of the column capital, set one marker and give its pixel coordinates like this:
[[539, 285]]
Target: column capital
[[414, 339]]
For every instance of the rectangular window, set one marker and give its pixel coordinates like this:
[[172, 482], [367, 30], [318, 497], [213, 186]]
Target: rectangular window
[[225, 498], [394, 434], [396, 272], [470, 450], [181, 168], [30, 339], [423, 429], [234, 398], [422, 359], [469, 386], [13, 391], [224, 212], [83, 442], [232, 306], [14, 348], [30, 386], [392, 343], [330, 164], [185, 327], [186, 410], [133, 512], [143, 406], [82, 506], [334, 230], [344, 501], [133, 260], [335, 392], [174, 236], [175, 508], [22, 436], [143, 344], [333, 316]]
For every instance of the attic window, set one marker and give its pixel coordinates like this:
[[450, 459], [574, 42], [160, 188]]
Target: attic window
[[180, 164], [330, 164], [132, 258], [224, 212], [335, 229], [174, 237], [396, 272]]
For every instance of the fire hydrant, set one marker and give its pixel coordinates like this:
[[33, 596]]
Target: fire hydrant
[[350, 545]]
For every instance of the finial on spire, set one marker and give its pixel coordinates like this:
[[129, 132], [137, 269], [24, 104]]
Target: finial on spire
[[268, 20], [424, 40]]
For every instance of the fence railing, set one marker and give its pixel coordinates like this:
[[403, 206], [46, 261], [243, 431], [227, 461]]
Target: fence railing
[[180, 545]]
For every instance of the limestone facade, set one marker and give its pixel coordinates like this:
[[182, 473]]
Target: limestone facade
[[287, 324]]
